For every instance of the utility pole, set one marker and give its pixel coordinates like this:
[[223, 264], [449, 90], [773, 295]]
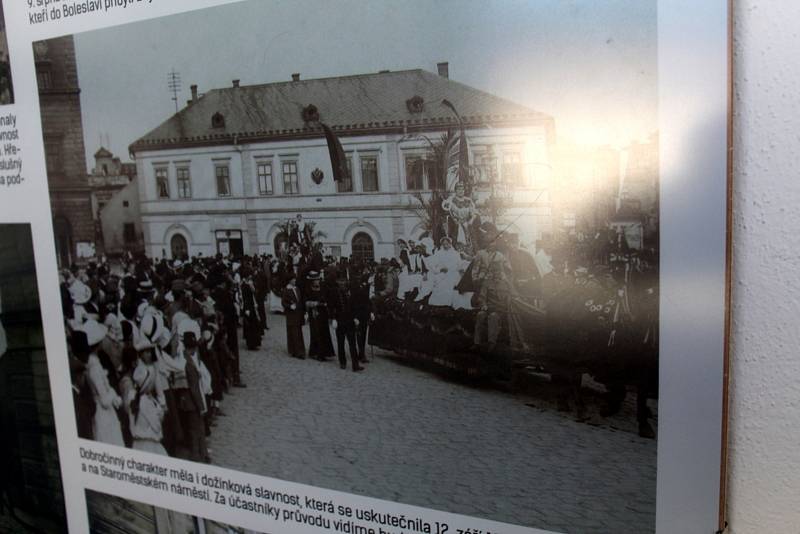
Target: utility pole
[[174, 85]]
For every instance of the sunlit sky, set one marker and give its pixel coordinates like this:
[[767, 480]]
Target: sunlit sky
[[591, 64]]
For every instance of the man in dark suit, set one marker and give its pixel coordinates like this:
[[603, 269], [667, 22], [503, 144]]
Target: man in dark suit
[[192, 404], [362, 308], [261, 280], [345, 321], [294, 311]]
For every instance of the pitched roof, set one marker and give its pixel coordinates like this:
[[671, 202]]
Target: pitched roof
[[103, 152], [351, 105]]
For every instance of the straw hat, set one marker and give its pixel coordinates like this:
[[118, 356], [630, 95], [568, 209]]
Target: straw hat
[[80, 292]]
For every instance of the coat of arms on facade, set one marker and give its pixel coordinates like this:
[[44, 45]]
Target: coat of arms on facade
[[317, 175]]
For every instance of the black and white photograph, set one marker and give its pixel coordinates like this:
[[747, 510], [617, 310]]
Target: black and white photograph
[[31, 495], [414, 261], [6, 87], [109, 514]]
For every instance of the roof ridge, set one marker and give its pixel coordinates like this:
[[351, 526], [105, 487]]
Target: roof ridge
[[346, 76]]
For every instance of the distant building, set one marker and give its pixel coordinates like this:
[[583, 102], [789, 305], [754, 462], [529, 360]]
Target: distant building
[[62, 128], [115, 203], [585, 188], [639, 186], [224, 172]]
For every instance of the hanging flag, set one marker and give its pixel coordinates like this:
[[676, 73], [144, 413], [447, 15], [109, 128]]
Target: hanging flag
[[338, 159], [463, 149]]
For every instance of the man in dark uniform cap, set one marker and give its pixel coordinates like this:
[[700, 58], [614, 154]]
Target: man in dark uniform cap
[[343, 313]]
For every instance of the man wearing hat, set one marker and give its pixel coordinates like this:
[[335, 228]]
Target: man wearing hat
[[192, 402], [494, 296], [320, 345], [345, 321]]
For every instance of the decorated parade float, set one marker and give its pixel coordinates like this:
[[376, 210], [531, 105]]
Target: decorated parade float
[[469, 301]]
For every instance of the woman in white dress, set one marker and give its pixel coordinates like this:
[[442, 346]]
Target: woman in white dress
[[106, 425], [146, 411]]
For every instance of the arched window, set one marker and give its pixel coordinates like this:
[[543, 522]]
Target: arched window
[[179, 247], [363, 249]]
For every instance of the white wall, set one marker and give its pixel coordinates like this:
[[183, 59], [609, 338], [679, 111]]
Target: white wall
[[764, 476]]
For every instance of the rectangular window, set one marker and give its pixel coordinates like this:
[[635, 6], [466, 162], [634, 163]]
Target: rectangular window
[[369, 173], [184, 183], [44, 78], [129, 233], [486, 165], [223, 180], [290, 184], [53, 154], [162, 182], [346, 185], [415, 173], [264, 172], [512, 168]]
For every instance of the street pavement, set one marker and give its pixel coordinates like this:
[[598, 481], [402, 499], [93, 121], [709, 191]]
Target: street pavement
[[404, 434]]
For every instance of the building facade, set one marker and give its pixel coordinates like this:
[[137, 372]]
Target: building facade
[[225, 172], [62, 128], [115, 204]]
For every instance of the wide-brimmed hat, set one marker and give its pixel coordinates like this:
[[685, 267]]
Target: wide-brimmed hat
[[95, 332], [152, 327], [80, 292], [145, 286], [189, 326], [143, 377]]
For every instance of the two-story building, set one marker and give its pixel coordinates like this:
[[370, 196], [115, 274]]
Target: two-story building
[[223, 173]]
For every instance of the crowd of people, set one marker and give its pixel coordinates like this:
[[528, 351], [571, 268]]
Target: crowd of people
[[154, 344]]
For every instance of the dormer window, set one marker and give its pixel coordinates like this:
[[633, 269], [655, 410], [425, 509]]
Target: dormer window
[[310, 113], [217, 120], [415, 104]]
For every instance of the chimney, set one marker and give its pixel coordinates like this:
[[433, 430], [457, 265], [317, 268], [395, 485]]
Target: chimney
[[444, 69], [236, 83], [188, 102], [296, 77], [194, 92]]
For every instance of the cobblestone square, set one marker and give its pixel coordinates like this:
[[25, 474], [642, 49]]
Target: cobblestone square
[[403, 434]]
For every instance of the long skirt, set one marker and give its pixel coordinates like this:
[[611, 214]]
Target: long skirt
[[252, 331], [294, 341], [106, 426], [320, 344], [148, 445]]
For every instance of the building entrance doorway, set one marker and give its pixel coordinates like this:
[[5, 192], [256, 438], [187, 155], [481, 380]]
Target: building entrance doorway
[[179, 247], [230, 243], [363, 249]]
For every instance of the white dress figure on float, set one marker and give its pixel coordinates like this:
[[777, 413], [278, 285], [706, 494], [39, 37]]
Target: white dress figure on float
[[461, 213], [446, 266]]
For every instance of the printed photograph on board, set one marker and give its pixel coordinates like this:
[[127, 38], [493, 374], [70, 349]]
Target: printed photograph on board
[[6, 87], [31, 495], [109, 514], [414, 261]]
